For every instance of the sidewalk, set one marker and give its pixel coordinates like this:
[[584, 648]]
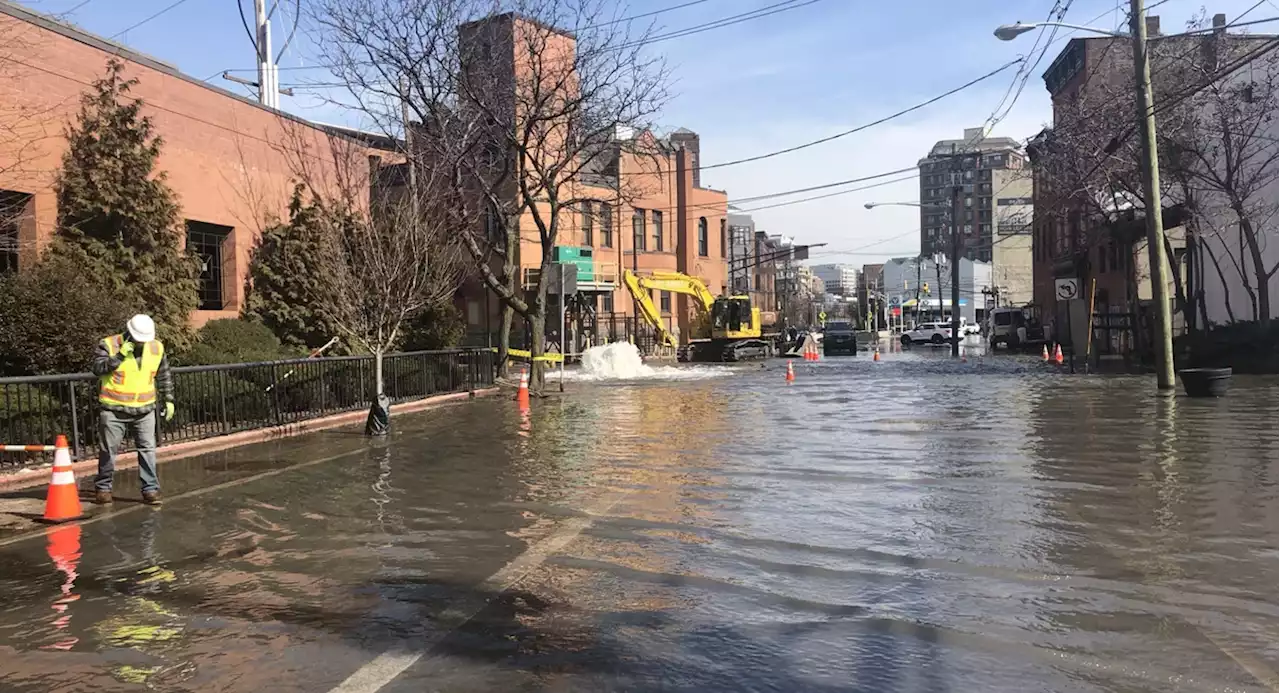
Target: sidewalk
[[204, 465]]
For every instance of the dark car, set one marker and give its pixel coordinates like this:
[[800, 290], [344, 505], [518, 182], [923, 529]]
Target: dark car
[[839, 337]]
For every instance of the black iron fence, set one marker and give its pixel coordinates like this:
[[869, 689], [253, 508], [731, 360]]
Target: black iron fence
[[217, 400]]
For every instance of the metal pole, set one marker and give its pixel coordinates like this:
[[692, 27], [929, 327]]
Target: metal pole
[[268, 86], [955, 268], [1151, 193], [564, 355]]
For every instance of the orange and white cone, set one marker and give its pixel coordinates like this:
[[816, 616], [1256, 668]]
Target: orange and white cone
[[876, 356], [791, 372], [522, 395], [1057, 354], [1044, 353], [63, 500]]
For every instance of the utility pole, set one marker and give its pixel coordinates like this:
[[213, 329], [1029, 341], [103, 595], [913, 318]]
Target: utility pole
[[1151, 192], [268, 77]]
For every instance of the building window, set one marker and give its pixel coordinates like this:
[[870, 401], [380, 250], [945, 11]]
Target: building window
[[606, 303], [724, 244], [666, 301], [637, 231], [14, 208], [702, 237], [588, 232], [492, 230], [606, 226], [209, 242], [657, 231]]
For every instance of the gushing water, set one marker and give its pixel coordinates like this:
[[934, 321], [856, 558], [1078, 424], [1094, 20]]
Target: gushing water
[[617, 361], [621, 361]]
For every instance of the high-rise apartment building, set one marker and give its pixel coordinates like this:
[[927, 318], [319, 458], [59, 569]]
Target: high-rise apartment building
[[993, 204]]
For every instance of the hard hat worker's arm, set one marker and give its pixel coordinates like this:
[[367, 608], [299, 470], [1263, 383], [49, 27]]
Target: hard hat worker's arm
[[103, 362], [164, 380]]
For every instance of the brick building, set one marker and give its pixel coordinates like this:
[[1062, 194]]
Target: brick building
[[645, 207], [231, 162], [1095, 232]]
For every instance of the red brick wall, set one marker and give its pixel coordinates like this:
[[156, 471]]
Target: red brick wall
[[229, 161]]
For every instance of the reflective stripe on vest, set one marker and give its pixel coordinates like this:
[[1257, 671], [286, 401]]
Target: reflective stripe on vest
[[133, 384]]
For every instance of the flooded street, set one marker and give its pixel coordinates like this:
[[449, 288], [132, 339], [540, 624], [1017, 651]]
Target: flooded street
[[917, 524]]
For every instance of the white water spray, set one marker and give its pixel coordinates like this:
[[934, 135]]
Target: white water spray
[[621, 361]]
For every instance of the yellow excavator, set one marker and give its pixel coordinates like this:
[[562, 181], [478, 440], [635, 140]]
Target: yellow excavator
[[727, 328]]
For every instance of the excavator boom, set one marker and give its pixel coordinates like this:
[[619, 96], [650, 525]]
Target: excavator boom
[[729, 327]]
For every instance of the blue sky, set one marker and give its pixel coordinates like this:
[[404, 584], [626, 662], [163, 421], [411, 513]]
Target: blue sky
[[754, 87]]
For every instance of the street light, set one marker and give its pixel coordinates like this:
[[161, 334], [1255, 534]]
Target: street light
[[1150, 176], [1009, 32]]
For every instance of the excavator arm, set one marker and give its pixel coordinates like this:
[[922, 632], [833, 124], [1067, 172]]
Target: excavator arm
[[676, 283]]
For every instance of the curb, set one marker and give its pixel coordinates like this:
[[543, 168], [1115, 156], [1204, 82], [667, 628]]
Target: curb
[[129, 460]]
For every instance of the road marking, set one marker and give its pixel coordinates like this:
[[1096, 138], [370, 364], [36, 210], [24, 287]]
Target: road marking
[[1255, 668], [384, 668]]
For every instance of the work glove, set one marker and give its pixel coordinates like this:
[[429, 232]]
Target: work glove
[[126, 349], [168, 411]]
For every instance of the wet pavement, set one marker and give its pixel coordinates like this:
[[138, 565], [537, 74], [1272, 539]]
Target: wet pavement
[[918, 524]]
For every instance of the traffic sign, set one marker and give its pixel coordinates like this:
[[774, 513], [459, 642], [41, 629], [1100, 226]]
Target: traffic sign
[[1066, 289], [822, 318]]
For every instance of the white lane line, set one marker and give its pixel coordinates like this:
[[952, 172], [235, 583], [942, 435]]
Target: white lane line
[[384, 668]]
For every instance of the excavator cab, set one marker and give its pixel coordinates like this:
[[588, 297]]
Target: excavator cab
[[732, 317]]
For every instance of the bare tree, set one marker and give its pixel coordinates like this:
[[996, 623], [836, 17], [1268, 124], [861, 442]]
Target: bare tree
[[531, 111], [1221, 151], [392, 251]]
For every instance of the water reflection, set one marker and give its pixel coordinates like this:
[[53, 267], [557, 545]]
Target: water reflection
[[913, 524]]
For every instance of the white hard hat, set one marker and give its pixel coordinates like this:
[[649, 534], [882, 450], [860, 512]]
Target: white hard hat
[[142, 328]]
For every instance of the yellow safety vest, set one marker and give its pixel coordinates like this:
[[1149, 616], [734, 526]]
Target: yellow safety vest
[[133, 384]]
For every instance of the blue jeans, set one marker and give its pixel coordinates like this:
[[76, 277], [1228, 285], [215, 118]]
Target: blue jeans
[[112, 427]]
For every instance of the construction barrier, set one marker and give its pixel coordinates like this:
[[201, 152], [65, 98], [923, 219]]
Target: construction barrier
[[526, 355], [27, 448]]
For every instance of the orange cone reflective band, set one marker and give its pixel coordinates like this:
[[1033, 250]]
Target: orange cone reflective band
[[63, 500], [791, 372], [522, 395]]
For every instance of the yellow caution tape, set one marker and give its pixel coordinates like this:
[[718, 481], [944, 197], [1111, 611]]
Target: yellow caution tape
[[526, 355]]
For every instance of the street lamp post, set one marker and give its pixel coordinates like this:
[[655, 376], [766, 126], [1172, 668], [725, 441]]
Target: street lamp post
[[953, 211], [1150, 177]]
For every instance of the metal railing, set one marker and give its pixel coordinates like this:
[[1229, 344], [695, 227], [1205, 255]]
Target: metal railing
[[216, 400]]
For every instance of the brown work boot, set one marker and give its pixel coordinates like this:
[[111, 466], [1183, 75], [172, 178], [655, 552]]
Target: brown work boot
[[151, 497], [102, 497]]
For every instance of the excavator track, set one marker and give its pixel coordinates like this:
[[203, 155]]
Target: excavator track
[[728, 351]]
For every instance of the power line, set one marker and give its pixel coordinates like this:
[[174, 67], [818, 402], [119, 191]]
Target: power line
[[759, 13], [127, 29], [834, 194], [865, 126], [647, 14]]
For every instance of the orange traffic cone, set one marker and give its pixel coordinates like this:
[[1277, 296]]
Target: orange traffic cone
[[522, 395], [1057, 354], [791, 372], [1044, 353], [63, 500], [876, 355]]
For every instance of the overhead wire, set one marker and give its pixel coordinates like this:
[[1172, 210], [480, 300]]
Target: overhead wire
[[131, 27]]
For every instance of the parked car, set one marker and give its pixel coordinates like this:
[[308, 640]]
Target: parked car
[[931, 332], [839, 337]]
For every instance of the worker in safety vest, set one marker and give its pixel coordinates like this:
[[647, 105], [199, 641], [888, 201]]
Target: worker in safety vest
[[135, 379]]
